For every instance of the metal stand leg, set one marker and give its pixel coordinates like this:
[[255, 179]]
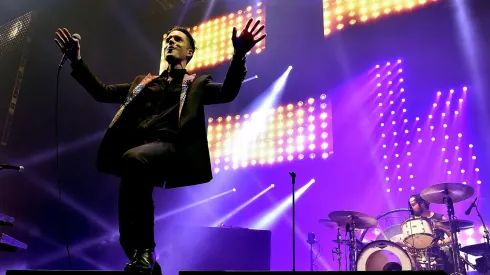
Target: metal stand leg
[[338, 250], [353, 246], [458, 267]]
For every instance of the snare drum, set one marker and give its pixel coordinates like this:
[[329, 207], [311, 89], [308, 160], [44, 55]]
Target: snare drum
[[418, 233], [383, 256]]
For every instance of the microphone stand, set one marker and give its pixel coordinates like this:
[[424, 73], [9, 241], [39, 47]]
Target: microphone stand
[[311, 241], [293, 180], [485, 230]]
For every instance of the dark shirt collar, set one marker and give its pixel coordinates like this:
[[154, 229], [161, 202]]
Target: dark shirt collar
[[174, 73]]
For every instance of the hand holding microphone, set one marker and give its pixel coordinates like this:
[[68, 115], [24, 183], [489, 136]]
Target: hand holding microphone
[[69, 44]]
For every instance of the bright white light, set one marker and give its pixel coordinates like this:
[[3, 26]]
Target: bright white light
[[272, 185], [290, 67], [234, 189]]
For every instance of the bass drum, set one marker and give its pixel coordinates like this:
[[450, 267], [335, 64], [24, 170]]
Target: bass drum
[[383, 256]]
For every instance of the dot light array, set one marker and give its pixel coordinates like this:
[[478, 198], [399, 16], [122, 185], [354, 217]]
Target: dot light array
[[338, 14], [425, 150], [213, 38], [292, 132]]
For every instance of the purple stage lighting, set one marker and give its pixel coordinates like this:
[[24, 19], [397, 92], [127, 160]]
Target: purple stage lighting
[[412, 148]]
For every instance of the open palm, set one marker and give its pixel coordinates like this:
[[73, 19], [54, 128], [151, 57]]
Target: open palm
[[247, 38]]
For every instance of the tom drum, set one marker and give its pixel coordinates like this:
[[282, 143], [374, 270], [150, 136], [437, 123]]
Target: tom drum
[[418, 233]]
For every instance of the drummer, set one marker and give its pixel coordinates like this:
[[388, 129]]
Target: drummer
[[421, 208]]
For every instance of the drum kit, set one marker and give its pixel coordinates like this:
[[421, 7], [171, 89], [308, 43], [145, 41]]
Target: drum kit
[[413, 244]]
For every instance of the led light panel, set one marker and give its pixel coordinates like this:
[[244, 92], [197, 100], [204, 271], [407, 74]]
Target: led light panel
[[213, 38]]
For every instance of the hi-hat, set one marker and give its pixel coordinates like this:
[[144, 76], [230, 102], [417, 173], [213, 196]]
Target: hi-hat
[[347, 217], [438, 192]]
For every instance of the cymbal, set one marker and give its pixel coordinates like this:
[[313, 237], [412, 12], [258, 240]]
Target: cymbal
[[344, 217], [479, 249], [460, 224], [456, 191]]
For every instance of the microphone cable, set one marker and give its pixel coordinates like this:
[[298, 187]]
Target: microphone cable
[[56, 131]]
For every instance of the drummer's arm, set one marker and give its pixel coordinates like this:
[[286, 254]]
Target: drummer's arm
[[448, 239]]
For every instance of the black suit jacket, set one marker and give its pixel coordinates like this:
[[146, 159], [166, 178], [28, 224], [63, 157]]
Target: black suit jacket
[[193, 163]]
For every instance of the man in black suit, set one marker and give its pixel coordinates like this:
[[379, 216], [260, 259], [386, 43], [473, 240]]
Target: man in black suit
[[158, 137]]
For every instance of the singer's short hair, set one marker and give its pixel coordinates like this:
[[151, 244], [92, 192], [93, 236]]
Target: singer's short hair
[[184, 30], [420, 200]]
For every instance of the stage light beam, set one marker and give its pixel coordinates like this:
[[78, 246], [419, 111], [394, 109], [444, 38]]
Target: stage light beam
[[270, 218], [240, 207]]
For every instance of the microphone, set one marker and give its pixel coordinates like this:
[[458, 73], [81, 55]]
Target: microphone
[[11, 167], [473, 204], [311, 238], [76, 36]]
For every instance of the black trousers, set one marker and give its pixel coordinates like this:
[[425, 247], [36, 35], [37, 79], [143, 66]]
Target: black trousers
[[143, 168]]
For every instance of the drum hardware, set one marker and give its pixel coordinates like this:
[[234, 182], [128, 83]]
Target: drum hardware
[[483, 265], [311, 241], [448, 194], [338, 250], [467, 261], [352, 220], [485, 229], [481, 250]]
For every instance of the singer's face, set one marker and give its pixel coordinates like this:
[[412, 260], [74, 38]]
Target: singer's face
[[177, 47]]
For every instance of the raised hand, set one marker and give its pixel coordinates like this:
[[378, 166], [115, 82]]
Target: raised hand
[[65, 41], [247, 38]]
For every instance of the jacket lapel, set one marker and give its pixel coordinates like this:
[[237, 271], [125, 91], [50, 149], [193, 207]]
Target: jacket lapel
[[186, 82], [134, 93]]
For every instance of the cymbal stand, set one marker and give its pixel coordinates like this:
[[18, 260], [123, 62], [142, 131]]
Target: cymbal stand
[[337, 251], [352, 246], [458, 270], [485, 229], [487, 240]]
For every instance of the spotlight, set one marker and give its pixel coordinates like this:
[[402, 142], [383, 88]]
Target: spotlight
[[290, 67], [272, 185], [234, 189], [256, 76]]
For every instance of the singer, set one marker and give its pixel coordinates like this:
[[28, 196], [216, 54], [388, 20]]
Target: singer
[[442, 252], [158, 137]]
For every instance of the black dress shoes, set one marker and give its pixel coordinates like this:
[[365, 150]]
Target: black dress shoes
[[144, 262]]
